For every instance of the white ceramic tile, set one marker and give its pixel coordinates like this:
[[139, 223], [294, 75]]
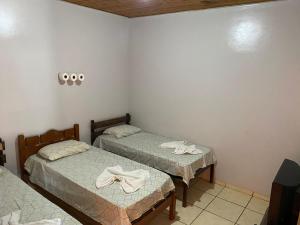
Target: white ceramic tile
[[188, 214], [243, 190], [199, 198], [207, 218], [163, 219], [263, 197], [225, 209], [258, 205], [249, 218], [235, 196], [219, 182], [207, 187]]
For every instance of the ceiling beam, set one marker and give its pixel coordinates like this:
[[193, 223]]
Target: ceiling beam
[[137, 8]]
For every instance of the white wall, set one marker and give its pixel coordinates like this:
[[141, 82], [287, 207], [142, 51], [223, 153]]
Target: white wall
[[38, 39], [227, 78]]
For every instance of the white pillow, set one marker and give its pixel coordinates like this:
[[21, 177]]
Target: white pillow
[[62, 149], [122, 130]]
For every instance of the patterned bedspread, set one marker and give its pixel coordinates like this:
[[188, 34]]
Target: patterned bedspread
[[16, 195], [73, 178], [144, 147]]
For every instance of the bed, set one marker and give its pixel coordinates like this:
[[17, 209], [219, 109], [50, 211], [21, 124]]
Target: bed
[[144, 147], [16, 195], [70, 183]]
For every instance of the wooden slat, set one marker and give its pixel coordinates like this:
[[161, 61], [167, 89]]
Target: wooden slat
[[107, 123], [2, 155], [97, 128], [52, 136], [137, 8]]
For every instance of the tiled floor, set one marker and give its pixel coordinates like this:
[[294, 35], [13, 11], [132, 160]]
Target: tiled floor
[[213, 204]]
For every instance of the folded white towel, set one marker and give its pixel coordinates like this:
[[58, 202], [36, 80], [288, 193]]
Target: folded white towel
[[130, 181], [181, 148], [14, 218]]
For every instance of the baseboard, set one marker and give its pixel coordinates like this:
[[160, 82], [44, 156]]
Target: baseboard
[[243, 190], [205, 176], [263, 197]]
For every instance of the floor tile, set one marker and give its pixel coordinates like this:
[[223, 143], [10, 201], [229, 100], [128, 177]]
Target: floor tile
[[199, 198], [236, 188], [235, 196], [219, 182], [263, 197], [207, 218], [207, 187], [249, 218], [258, 205], [227, 210], [188, 214], [163, 219]]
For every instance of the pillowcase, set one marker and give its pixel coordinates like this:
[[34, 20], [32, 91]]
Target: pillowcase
[[122, 130], [62, 149]]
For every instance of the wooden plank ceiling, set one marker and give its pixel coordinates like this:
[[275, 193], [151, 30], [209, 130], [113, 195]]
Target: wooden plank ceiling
[[137, 8]]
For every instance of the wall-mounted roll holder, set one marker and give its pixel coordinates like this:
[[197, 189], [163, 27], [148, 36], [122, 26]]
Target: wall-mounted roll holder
[[71, 78]]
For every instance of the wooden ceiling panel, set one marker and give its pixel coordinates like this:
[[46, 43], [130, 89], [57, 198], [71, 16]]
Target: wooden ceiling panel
[[137, 8]]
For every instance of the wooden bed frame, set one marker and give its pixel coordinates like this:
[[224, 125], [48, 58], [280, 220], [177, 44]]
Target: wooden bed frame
[[97, 128], [31, 145], [2, 155]]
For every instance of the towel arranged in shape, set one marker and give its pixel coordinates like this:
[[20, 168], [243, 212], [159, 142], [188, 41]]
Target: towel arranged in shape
[[181, 148], [14, 218], [130, 181]]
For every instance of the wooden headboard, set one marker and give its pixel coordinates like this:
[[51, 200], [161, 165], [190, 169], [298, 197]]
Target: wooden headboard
[[31, 145], [97, 128], [2, 155]]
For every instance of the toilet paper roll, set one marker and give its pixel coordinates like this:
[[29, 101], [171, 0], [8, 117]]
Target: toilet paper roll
[[73, 77], [63, 76], [81, 77]]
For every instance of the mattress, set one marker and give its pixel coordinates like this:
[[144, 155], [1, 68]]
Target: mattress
[[16, 195], [144, 147], [73, 179]]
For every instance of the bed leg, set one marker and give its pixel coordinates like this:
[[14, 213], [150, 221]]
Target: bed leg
[[212, 173], [172, 210], [184, 194]]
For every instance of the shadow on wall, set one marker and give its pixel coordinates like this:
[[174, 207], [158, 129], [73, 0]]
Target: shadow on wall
[[69, 82]]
